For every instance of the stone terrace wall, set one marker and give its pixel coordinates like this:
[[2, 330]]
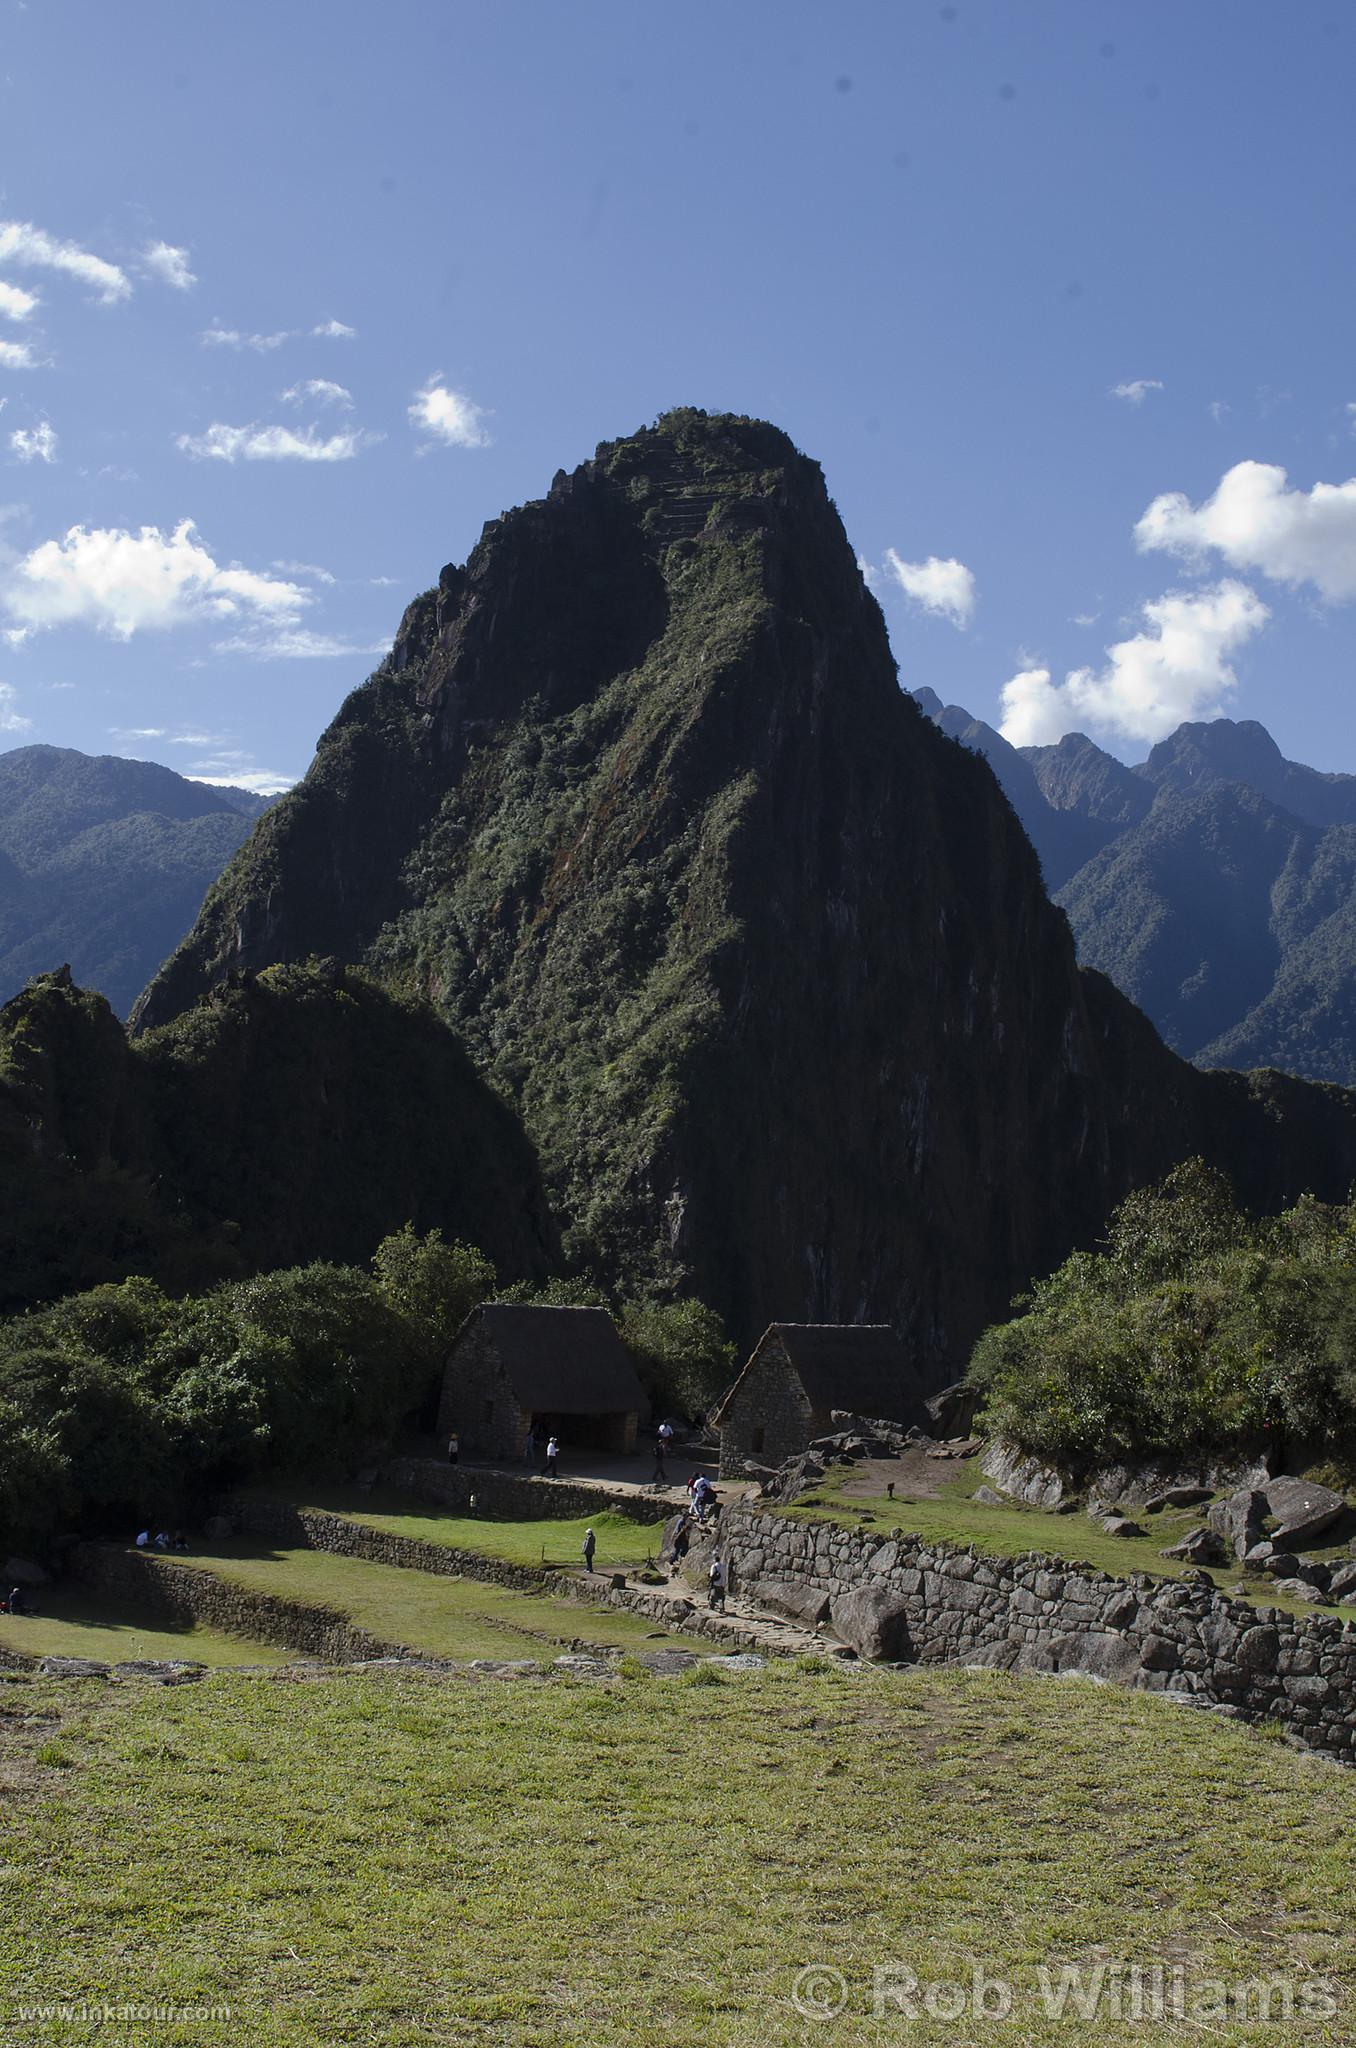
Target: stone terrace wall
[[1042, 1614], [517, 1497]]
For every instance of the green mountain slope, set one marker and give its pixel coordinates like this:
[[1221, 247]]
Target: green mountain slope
[[104, 864], [762, 958], [300, 1114]]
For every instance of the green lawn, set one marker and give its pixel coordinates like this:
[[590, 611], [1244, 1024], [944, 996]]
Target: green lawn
[[437, 1616], [621, 1543], [407, 1860], [73, 1621], [954, 1516]]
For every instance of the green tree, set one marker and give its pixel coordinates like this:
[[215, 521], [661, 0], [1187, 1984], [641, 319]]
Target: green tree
[[681, 1352]]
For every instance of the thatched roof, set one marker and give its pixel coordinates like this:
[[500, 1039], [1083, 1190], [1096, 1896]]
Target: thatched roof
[[861, 1367], [567, 1361]]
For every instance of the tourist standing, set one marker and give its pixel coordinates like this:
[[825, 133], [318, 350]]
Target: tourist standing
[[590, 1545], [552, 1454], [454, 1447], [715, 1579]]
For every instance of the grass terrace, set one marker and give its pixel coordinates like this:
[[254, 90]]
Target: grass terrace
[[407, 1859], [954, 1516], [622, 1544], [427, 1613], [71, 1620]]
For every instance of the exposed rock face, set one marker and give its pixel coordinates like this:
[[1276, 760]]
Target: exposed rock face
[[763, 959]]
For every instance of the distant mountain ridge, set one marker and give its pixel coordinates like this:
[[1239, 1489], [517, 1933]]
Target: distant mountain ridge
[[104, 863], [1221, 893]]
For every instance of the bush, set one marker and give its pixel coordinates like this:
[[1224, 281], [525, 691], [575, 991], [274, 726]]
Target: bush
[[1194, 1331]]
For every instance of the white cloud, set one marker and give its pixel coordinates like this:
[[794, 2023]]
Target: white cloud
[[10, 720], [34, 444], [1254, 522], [1084, 619], [334, 330], [294, 643], [321, 391], [123, 583], [137, 732], [311, 569], [272, 444], [17, 355], [231, 337], [449, 416], [1137, 390], [169, 264], [944, 587], [1217, 408], [15, 302], [22, 243], [1178, 669], [258, 781]]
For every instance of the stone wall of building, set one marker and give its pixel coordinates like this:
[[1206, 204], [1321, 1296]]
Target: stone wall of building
[[478, 1401], [909, 1600], [769, 1418]]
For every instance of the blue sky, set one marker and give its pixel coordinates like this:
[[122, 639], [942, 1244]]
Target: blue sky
[[439, 251]]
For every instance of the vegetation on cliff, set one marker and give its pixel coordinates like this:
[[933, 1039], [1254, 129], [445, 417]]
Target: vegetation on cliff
[[763, 963], [301, 1114], [1194, 1329]]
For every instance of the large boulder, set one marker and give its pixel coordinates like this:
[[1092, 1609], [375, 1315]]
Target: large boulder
[[1301, 1510], [1238, 1520], [1198, 1546], [873, 1621], [1022, 1477], [793, 1598]]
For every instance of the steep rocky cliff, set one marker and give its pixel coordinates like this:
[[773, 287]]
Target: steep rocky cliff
[[763, 959]]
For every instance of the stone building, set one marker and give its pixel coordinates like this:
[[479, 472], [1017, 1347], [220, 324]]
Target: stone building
[[798, 1374], [563, 1369]]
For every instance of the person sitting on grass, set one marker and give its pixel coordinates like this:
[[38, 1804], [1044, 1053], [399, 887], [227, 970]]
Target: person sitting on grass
[[590, 1545], [16, 1603]]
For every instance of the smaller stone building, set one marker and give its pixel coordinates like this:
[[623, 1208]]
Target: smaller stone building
[[798, 1374], [565, 1370]]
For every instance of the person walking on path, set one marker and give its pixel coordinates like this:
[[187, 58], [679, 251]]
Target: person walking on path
[[660, 1476], [590, 1545], [716, 1581], [552, 1453], [453, 1447]]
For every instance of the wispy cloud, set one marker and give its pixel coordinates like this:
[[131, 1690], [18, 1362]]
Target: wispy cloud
[[16, 303], [295, 643], [121, 583], [17, 355], [29, 247], [231, 337], [1137, 390], [136, 732], [1178, 668], [320, 391], [1254, 522], [258, 781], [34, 444], [450, 416], [169, 265], [944, 587], [10, 720], [311, 569], [334, 330], [273, 444]]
